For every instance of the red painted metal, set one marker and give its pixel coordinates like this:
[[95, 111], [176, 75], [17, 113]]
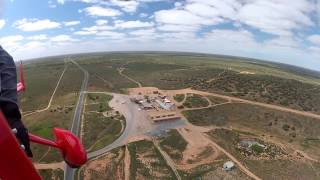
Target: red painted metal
[[14, 164], [21, 85], [40, 140], [71, 148]]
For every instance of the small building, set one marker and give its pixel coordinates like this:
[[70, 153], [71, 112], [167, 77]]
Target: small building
[[146, 105], [228, 166], [157, 116], [166, 100], [247, 143], [164, 105]]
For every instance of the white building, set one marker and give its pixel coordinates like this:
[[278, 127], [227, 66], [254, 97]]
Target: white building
[[164, 105], [228, 166]]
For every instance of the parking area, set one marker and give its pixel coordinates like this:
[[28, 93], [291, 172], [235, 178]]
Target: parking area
[[157, 106]]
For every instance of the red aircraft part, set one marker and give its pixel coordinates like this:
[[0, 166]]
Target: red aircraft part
[[72, 150], [21, 85], [14, 164]]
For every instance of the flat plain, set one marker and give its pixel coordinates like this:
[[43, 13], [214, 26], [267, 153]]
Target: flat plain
[[216, 97]]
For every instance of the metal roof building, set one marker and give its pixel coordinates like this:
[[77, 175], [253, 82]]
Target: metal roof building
[[228, 166]]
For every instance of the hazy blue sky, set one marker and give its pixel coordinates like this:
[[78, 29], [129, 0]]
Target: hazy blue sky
[[286, 31]]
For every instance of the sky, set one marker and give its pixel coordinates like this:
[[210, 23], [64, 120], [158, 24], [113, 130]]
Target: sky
[[286, 31]]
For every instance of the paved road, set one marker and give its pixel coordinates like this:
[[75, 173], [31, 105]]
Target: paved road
[[69, 172], [136, 123], [131, 113]]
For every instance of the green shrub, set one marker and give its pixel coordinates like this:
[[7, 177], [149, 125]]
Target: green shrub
[[257, 148], [286, 127], [179, 97]]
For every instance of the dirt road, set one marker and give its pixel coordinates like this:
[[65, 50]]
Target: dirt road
[[270, 106], [193, 132], [51, 99], [58, 165], [127, 162], [169, 161], [129, 78]]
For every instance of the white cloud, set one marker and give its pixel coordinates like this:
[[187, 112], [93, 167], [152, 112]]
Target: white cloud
[[180, 28], [51, 4], [176, 37], [277, 17], [132, 24], [318, 11], [182, 17], [35, 24], [101, 22], [62, 38], [101, 11], [315, 39], [194, 14], [38, 37], [60, 1], [236, 37], [143, 15], [214, 8], [94, 29], [11, 39], [2, 23], [315, 50], [84, 33], [284, 42], [71, 23], [177, 28], [177, 4], [34, 45], [128, 6], [12, 43], [111, 34], [144, 32], [98, 28]]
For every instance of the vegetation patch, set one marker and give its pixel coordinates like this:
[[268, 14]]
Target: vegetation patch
[[101, 99], [173, 144], [205, 117], [49, 174], [288, 127], [269, 166], [179, 97], [195, 101], [212, 171], [216, 100], [284, 169], [99, 131], [102, 124], [108, 166], [104, 75], [41, 79], [268, 89], [147, 162], [257, 148]]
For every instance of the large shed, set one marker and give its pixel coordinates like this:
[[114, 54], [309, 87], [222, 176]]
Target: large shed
[[228, 166]]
